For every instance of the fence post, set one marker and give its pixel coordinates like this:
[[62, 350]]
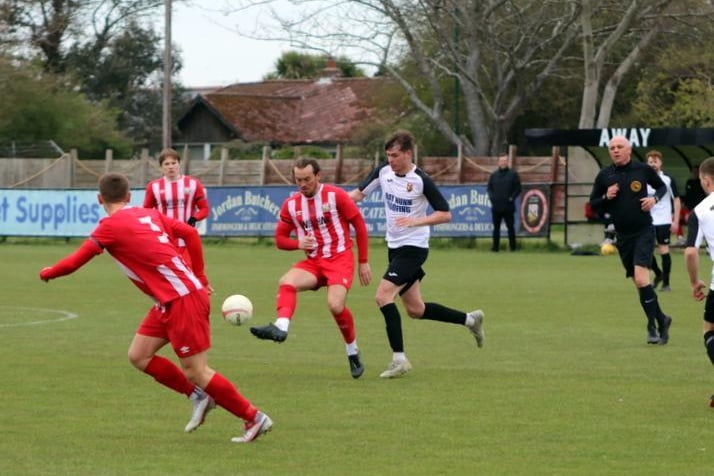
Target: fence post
[[72, 168], [222, 167], [376, 158], [264, 168], [144, 166], [338, 164], [186, 159], [108, 158], [460, 162]]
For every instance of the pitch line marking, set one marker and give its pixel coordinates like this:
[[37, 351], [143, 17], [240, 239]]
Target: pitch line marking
[[65, 316]]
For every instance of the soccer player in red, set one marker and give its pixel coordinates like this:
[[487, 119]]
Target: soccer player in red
[[180, 197], [320, 215], [142, 242]]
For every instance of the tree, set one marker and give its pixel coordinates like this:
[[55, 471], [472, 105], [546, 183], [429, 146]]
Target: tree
[[615, 38], [38, 106], [296, 65], [496, 54]]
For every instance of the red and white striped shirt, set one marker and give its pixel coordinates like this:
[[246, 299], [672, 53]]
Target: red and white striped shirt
[[181, 199], [326, 215], [140, 240]]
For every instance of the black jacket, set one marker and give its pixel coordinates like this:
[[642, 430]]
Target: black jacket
[[504, 186], [626, 209]]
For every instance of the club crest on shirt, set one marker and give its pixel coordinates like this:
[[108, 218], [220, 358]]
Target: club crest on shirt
[[325, 207], [636, 186], [410, 186]]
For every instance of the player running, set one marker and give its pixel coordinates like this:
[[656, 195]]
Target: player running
[[141, 241]]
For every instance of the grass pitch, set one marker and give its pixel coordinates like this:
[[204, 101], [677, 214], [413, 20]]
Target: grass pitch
[[565, 384]]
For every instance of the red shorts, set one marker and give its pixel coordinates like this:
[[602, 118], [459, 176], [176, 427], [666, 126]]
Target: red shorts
[[338, 269], [184, 322]]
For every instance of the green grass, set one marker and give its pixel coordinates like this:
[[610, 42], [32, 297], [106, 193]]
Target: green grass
[[565, 384]]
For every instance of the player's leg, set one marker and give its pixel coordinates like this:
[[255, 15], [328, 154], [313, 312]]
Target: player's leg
[[708, 331], [297, 279], [336, 299], [227, 396], [151, 337], [666, 266], [418, 309], [385, 295], [640, 252]]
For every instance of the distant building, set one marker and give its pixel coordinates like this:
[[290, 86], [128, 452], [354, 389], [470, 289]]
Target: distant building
[[324, 112]]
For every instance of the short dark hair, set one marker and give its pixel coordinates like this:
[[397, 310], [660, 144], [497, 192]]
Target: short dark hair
[[113, 187], [654, 153], [302, 163], [168, 152], [403, 139]]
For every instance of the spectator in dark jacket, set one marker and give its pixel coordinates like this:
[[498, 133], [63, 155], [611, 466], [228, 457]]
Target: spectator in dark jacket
[[504, 186]]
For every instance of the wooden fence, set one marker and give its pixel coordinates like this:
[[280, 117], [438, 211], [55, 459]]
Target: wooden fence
[[68, 171]]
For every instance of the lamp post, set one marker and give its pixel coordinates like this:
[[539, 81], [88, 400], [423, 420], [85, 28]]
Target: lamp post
[[168, 67]]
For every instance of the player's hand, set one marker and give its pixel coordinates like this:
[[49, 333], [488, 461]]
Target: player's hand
[[612, 191], [307, 242], [404, 221], [647, 203], [365, 274], [45, 273], [698, 290], [191, 221]]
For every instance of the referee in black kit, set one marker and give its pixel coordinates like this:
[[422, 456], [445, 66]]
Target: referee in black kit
[[621, 190]]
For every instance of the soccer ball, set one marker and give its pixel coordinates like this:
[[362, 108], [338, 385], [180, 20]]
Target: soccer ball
[[237, 309], [608, 249]]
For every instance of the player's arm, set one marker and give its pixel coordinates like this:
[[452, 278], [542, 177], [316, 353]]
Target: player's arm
[[691, 258], [282, 237], [441, 213], [149, 198], [71, 263], [352, 214], [200, 205], [598, 195], [368, 184], [193, 245], [356, 195]]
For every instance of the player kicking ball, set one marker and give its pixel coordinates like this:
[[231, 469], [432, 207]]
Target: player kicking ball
[[142, 242]]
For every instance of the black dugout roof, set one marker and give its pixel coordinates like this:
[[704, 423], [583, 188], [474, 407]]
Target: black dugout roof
[[681, 148]]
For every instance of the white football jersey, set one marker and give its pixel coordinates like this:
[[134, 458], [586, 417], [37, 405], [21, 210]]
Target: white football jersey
[[700, 228], [405, 195], [662, 210]]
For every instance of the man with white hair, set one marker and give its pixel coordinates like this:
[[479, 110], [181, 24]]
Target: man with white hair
[[621, 190]]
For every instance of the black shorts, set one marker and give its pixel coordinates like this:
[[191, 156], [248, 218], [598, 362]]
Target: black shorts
[[662, 234], [405, 266], [636, 249]]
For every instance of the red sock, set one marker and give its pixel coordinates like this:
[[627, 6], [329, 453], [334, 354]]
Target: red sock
[[167, 373], [286, 301], [346, 324], [227, 396]]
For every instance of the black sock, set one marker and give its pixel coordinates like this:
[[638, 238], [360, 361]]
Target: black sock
[[666, 268], [709, 344], [649, 303], [393, 322], [437, 312], [655, 266]]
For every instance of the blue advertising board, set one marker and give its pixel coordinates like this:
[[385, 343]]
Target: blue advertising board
[[253, 211]]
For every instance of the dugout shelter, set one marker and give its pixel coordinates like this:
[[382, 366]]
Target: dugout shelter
[[584, 152]]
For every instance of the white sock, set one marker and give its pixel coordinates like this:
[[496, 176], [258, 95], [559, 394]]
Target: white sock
[[470, 320], [352, 348], [282, 323], [399, 356]]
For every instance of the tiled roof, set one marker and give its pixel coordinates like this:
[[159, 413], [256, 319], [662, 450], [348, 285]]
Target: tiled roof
[[326, 110]]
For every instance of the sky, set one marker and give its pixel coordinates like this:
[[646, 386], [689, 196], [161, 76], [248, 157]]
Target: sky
[[213, 54]]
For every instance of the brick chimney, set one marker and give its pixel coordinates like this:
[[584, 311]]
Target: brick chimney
[[331, 70]]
